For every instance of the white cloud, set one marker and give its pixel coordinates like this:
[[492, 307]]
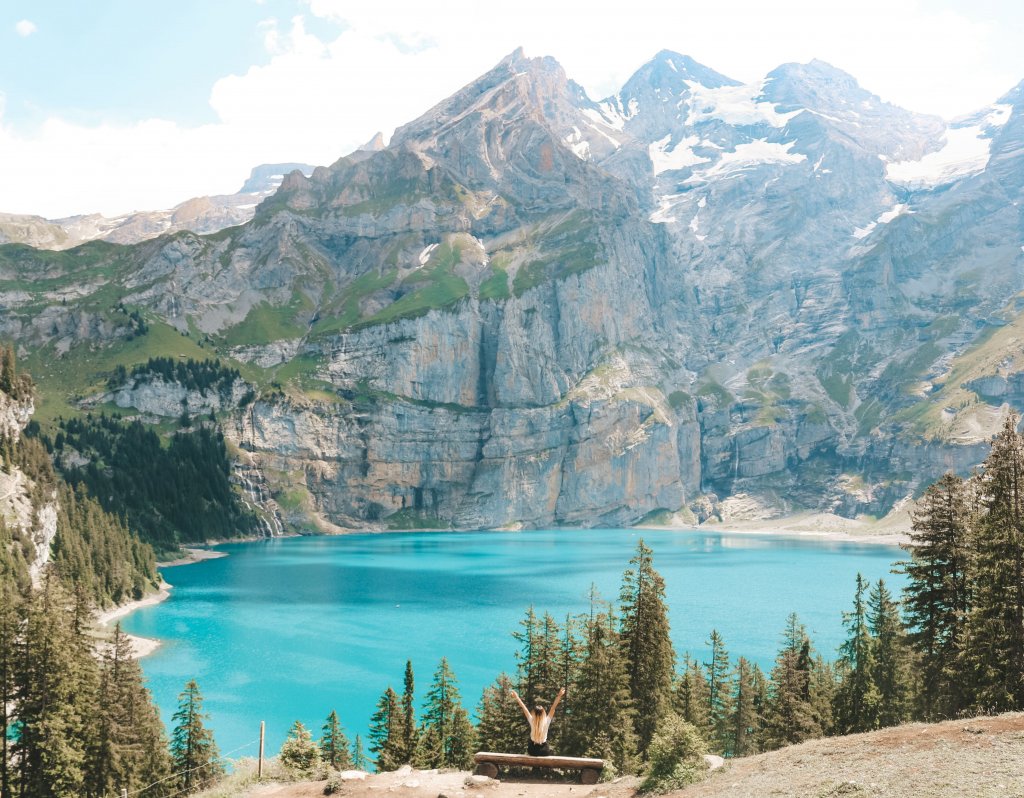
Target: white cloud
[[25, 27], [317, 99]]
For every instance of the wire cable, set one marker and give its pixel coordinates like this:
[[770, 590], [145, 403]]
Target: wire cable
[[220, 758]]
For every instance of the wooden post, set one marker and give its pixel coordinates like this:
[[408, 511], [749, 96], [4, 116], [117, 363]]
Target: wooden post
[[124, 792], [259, 767]]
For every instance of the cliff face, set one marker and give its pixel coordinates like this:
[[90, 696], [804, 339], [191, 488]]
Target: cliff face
[[32, 520], [534, 308]]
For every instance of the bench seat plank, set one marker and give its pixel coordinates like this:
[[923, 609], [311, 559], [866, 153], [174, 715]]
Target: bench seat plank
[[566, 762]]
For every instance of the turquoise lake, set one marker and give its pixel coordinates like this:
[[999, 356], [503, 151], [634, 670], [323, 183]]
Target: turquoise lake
[[289, 629]]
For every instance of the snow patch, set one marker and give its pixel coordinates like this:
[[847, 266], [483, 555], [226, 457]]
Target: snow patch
[[734, 105], [580, 146], [751, 154], [678, 157], [665, 205], [426, 253], [964, 153], [862, 232], [897, 210], [615, 142], [999, 115], [695, 227]]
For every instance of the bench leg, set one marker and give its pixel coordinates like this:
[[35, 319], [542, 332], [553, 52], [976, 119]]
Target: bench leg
[[589, 775], [487, 769]]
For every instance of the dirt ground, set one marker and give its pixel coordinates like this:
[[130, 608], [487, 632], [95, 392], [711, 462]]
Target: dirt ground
[[409, 783], [973, 758]]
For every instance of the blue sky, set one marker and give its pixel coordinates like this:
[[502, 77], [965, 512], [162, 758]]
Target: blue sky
[[115, 105], [122, 60]]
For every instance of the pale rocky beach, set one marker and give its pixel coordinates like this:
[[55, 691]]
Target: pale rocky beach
[[144, 646]]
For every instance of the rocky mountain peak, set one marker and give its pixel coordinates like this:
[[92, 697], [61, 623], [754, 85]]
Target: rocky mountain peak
[[818, 86], [516, 85], [265, 178], [669, 69]]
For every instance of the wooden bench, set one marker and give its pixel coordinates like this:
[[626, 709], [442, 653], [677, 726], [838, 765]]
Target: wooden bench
[[487, 764]]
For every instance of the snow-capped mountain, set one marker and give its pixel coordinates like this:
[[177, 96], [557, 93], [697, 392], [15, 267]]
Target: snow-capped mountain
[[534, 307]]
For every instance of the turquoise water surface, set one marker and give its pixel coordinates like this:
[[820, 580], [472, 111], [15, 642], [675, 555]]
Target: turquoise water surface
[[285, 630]]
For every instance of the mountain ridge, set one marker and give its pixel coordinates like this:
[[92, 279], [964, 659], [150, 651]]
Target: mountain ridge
[[529, 309]]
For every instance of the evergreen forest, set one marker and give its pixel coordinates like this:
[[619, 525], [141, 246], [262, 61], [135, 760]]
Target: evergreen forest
[[141, 477]]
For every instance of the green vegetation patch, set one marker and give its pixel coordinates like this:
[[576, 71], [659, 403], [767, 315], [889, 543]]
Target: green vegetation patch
[[267, 323], [414, 519], [716, 393], [85, 369]]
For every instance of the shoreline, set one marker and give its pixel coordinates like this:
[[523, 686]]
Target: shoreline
[[141, 646], [888, 531], [144, 646], [193, 555]]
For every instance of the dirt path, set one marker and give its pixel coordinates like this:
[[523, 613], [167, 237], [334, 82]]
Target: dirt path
[[409, 783]]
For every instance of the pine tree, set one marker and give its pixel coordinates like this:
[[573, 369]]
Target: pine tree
[[386, 732], [447, 737], [646, 643], [937, 592], [995, 624], [719, 691], [299, 751], [692, 696], [891, 673], [760, 684], [408, 743], [567, 670], [127, 748], [11, 607], [743, 719], [334, 744], [538, 658], [57, 679], [823, 685], [193, 751], [603, 723], [526, 656], [7, 369], [501, 727], [358, 755], [857, 700], [790, 716]]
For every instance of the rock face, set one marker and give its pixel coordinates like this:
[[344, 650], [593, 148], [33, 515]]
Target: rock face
[[156, 397], [14, 415], [534, 308], [37, 523]]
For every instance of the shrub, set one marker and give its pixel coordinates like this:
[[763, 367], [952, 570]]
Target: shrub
[[300, 752], [675, 757]]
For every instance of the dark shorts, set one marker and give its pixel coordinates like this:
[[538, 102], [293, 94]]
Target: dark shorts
[[538, 749]]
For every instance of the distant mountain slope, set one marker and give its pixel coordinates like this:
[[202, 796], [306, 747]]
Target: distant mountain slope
[[535, 308], [199, 215]]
